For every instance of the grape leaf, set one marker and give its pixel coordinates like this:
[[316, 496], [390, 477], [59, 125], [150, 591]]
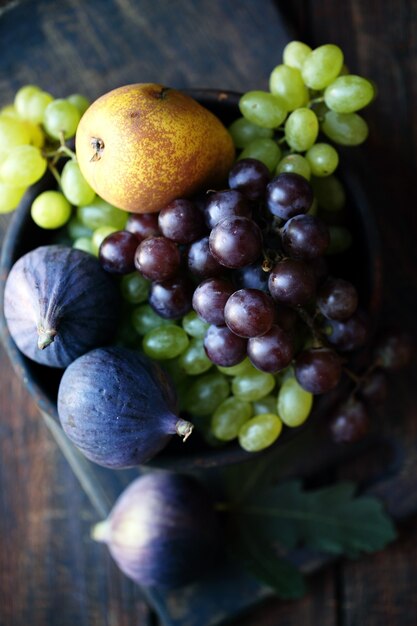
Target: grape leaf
[[330, 519], [283, 577]]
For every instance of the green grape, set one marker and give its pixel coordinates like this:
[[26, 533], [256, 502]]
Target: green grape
[[294, 163], [9, 111], [50, 210], [329, 192], [295, 53], [244, 132], [287, 83], [253, 386], [294, 403], [74, 186], [99, 235], [145, 319], [323, 159], [10, 197], [263, 108], [61, 119], [80, 101], [101, 213], [206, 393], [194, 359], [165, 342], [301, 129], [265, 150], [260, 432], [244, 367], [348, 94], [179, 377], [194, 325], [36, 135], [76, 229], [322, 66], [346, 129], [267, 404], [135, 288], [84, 243], [36, 106], [229, 417], [23, 97], [340, 239], [23, 166], [13, 133]]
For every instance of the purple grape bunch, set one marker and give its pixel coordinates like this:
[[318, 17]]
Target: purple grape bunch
[[250, 261]]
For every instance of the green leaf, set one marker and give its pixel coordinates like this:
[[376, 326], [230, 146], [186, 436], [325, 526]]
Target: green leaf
[[330, 519], [277, 573]]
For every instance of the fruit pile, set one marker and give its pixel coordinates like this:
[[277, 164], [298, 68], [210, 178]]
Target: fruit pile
[[228, 288], [187, 288]]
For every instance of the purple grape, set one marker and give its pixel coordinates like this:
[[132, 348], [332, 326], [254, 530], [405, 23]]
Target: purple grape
[[320, 269], [181, 221], [251, 277], [292, 282], [350, 334], [272, 351], [236, 241], [226, 204], [249, 312], [349, 423], [143, 225], [394, 349], [209, 299], [171, 299], [318, 370], [224, 347], [337, 299], [117, 252], [289, 194], [305, 237], [201, 262], [158, 258], [250, 177], [285, 317]]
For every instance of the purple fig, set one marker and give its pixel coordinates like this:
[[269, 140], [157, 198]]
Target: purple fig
[[162, 530], [59, 303], [118, 407]]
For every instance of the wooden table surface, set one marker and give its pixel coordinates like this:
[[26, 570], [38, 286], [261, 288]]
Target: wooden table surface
[[46, 555]]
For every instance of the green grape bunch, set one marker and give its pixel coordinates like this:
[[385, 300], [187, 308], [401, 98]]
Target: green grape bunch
[[309, 93], [33, 134]]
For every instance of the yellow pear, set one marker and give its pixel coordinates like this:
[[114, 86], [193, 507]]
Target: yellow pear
[[141, 146]]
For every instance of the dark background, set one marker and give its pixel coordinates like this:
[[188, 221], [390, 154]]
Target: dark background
[[48, 564]]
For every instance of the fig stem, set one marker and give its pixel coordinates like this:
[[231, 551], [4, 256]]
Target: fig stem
[[101, 531], [183, 428], [45, 337]]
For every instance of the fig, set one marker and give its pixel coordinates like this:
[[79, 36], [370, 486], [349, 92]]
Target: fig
[[118, 407], [162, 530], [59, 303], [141, 146]]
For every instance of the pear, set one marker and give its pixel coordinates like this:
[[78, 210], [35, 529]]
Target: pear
[[143, 145]]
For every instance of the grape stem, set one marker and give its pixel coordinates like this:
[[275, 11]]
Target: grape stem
[[359, 380], [315, 101], [55, 173], [319, 339]]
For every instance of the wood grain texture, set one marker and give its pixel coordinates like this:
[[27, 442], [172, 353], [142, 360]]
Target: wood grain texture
[[46, 556]]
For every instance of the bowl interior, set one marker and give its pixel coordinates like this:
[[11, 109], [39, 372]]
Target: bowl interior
[[361, 264]]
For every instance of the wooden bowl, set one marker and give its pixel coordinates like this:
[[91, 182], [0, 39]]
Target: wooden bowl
[[362, 264]]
